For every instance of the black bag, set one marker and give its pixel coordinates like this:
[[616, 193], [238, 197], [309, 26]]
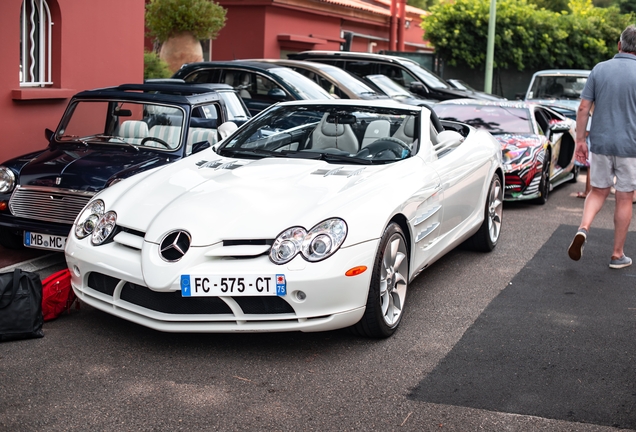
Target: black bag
[[20, 305]]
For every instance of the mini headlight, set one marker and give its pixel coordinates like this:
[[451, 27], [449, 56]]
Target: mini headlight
[[104, 229], [87, 220], [322, 241], [7, 180]]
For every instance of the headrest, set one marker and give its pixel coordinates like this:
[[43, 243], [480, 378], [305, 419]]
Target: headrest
[[409, 127], [133, 129], [449, 135], [331, 129]]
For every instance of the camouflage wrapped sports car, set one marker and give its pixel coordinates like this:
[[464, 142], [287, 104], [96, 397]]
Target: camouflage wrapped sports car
[[537, 143]]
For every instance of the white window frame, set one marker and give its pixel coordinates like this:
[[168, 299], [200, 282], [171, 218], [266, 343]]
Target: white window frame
[[35, 44]]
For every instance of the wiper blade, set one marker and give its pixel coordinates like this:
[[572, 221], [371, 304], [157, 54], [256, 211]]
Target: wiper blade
[[330, 157], [120, 141], [245, 152], [74, 138]]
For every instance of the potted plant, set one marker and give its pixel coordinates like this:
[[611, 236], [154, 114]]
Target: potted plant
[[179, 25]]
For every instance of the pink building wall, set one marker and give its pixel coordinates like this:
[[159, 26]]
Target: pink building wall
[[95, 45]]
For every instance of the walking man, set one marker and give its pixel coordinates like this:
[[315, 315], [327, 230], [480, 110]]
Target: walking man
[[611, 87]]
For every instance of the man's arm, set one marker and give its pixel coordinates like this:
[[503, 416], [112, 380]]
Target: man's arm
[[582, 115]]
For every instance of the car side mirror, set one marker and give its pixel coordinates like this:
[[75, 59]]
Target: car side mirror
[[277, 94], [560, 127], [226, 129], [48, 133], [197, 147], [418, 88], [122, 113]]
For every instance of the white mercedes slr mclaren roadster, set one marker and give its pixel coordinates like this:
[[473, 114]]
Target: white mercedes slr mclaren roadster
[[313, 216]]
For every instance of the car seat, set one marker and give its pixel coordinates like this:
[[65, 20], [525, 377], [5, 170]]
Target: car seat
[[375, 130], [133, 131], [406, 131], [332, 135]]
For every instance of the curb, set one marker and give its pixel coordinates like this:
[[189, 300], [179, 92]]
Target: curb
[[37, 264]]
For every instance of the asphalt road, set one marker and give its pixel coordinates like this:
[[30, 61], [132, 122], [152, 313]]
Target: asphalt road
[[93, 371]]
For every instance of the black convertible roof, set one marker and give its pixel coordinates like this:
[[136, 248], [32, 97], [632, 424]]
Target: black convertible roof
[[169, 91]]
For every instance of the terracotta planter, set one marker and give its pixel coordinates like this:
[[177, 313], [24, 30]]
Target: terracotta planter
[[179, 49]]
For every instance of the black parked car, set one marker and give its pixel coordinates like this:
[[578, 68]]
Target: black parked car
[[387, 86], [105, 136], [259, 84], [336, 81], [407, 73]]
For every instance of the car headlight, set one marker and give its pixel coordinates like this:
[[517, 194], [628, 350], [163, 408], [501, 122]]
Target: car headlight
[[7, 180], [88, 219], [105, 227], [512, 154], [320, 242]]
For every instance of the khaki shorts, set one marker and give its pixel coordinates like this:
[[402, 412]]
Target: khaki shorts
[[604, 169]]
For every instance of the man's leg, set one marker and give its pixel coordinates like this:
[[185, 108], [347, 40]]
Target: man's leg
[[593, 204], [622, 219]]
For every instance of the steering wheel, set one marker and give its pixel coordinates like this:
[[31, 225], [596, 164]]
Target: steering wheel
[[385, 148], [155, 139]]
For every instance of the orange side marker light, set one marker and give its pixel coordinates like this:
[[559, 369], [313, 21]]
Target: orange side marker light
[[356, 271]]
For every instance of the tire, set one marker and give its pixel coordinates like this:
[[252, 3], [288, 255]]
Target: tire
[[576, 170], [544, 184], [487, 237], [11, 239], [389, 283]]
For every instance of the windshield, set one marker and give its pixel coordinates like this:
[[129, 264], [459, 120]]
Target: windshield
[[352, 82], [428, 78], [568, 87], [459, 84], [123, 123], [334, 133], [388, 86], [236, 111], [302, 85], [494, 119]]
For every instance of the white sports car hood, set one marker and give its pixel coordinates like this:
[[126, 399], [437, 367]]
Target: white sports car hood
[[220, 198]]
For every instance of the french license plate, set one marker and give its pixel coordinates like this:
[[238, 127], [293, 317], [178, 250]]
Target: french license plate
[[44, 241], [223, 285]]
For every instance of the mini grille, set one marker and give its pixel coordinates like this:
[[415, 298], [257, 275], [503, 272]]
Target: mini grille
[[48, 204]]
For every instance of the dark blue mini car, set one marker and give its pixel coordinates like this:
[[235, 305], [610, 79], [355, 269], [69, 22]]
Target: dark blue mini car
[[105, 136]]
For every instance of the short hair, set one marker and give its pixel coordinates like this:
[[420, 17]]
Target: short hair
[[628, 39]]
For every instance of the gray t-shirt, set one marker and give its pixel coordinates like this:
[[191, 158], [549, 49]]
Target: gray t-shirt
[[612, 87]]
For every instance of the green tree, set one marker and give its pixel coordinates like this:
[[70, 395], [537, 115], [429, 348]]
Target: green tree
[[627, 6], [154, 67], [553, 5], [166, 18], [526, 37], [422, 4]]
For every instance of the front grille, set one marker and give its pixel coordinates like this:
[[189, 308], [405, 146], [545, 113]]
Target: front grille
[[48, 204], [263, 305], [102, 283], [172, 302]]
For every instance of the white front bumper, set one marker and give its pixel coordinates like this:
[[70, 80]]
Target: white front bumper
[[332, 300]]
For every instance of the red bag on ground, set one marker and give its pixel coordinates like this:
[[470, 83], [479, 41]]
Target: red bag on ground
[[57, 295]]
